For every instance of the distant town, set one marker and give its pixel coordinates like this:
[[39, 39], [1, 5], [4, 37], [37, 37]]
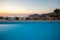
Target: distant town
[[55, 15]]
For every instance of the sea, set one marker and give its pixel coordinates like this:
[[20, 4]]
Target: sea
[[30, 30]]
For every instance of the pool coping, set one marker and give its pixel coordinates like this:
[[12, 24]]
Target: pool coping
[[30, 21]]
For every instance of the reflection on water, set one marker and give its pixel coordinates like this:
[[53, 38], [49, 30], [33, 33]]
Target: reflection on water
[[5, 27], [30, 31]]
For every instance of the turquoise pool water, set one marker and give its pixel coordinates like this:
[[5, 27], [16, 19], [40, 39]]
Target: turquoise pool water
[[29, 30]]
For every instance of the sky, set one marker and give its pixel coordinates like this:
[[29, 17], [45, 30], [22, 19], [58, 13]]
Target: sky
[[28, 6]]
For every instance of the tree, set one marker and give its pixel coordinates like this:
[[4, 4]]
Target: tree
[[1, 17], [16, 18], [7, 18], [57, 14], [57, 11], [27, 18]]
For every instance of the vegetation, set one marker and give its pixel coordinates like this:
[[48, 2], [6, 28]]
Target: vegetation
[[57, 11], [16, 18], [7, 18], [1, 17], [55, 15]]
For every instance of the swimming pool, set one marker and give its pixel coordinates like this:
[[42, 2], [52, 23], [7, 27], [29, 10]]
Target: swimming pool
[[29, 30]]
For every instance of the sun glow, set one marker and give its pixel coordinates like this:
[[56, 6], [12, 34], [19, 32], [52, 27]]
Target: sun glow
[[18, 10], [27, 6]]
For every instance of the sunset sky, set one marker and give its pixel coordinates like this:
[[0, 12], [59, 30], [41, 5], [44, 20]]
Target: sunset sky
[[28, 6]]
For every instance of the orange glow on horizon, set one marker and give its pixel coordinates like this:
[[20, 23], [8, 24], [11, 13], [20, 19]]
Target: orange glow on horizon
[[22, 12]]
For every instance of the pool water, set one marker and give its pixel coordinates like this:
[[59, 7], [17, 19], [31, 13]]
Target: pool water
[[29, 30]]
